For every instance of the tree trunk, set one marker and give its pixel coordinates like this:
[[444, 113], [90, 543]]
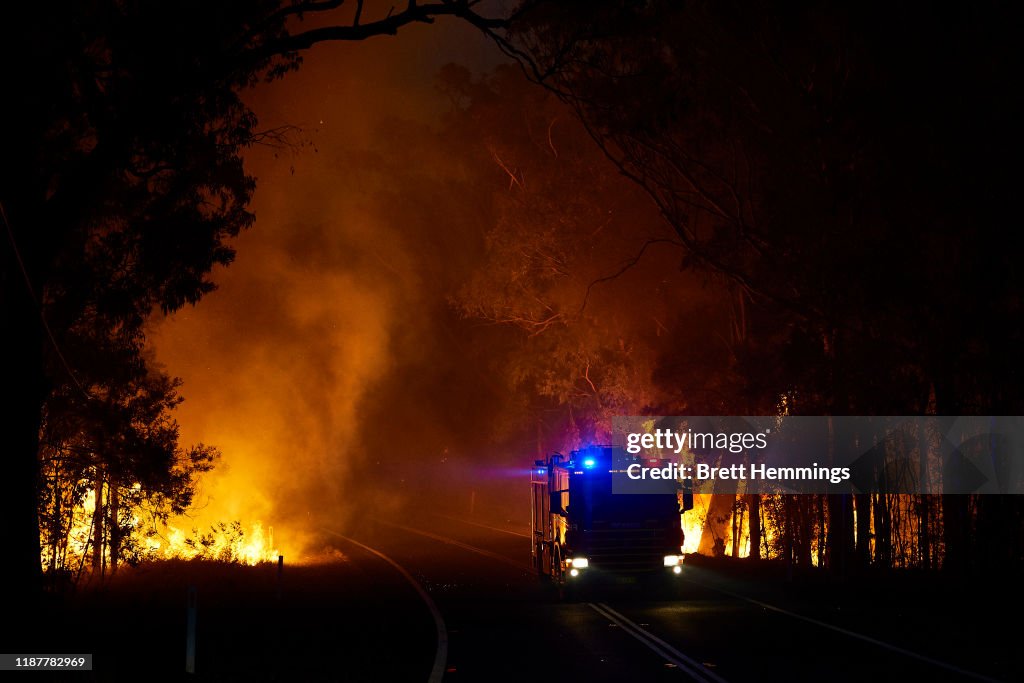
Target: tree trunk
[[820, 503], [839, 543], [806, 508], [56, 526], [114, 534], [754, 501], [716, 526], [97, 525], [863, 503], [840, 532], [739, 510], [924, 532], [876, 510], [924, 536], [787, 525], [954, 531]]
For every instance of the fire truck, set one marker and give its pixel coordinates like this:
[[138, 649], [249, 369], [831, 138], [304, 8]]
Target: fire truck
[[584, 533]]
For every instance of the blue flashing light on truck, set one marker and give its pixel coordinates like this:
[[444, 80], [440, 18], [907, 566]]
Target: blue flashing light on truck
[[583, 532]]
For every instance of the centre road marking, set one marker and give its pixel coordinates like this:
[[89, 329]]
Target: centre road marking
[[695, 669], [691, 666], [852, 634], [441, 655]]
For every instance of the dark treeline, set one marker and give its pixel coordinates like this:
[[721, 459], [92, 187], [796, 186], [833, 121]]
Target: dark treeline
[[845, 174], [579, 260]]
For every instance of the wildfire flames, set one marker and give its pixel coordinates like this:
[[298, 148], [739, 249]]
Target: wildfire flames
[[225, 542], [251, 548]]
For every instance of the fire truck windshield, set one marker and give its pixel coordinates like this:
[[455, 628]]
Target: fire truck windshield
[[607, 507]]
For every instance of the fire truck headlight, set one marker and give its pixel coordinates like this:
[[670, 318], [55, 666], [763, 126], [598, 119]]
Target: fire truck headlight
[[574, 572], [579, 562], [673, 560], [677, 569]]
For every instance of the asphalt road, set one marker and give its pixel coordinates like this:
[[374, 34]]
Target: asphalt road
[[500, 623], [376, 615]]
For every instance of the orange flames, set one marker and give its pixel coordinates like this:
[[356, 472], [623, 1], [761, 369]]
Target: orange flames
[[251, 548], [225, 542]]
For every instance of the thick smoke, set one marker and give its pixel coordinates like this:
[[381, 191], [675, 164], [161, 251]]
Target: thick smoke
[[343, 273], [331, 367]]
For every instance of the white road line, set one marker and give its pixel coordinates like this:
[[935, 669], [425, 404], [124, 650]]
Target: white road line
[[441, 655], [703, 670], [465, 546], [853, 634], [483, 526], [686, 664], [639, 635]]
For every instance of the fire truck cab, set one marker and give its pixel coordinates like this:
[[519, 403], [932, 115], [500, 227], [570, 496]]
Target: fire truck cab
[[583, 532]]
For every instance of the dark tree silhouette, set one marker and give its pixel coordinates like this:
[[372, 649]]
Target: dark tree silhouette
[[122, 182], [120, 442]]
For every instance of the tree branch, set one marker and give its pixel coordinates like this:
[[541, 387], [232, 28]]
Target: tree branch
[[389, 25], [627, 265]]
